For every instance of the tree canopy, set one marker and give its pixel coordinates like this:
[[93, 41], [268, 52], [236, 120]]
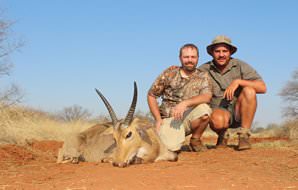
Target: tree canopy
[[11, 94], [289, 94]]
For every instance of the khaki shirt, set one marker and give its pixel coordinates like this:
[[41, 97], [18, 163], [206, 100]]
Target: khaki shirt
[[173, 88], [236, 69]]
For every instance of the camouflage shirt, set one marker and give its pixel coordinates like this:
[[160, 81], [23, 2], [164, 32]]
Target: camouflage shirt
[[173, 88], [236, 69]]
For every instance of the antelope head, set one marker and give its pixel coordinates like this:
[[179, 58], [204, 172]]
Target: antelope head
[[126, 133]]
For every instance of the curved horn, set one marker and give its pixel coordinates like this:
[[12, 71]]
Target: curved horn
[[109, 107], [132, 108]]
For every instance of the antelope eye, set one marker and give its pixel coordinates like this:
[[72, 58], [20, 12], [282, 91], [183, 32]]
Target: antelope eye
[[128, 135]]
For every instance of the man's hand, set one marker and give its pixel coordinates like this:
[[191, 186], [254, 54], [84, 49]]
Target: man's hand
[[158, 123], [229, 92], [178, 110]]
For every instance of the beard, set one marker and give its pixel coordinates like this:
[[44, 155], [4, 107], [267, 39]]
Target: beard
[[189, 66]]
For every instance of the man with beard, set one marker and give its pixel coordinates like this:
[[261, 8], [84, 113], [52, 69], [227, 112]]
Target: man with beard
[[235, 85], [185, 92]]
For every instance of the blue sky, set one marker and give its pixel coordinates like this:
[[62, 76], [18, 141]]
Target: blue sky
[[72, 47]]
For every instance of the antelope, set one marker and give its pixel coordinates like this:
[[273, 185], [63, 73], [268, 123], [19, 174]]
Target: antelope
[[131, 140], [136, 142]]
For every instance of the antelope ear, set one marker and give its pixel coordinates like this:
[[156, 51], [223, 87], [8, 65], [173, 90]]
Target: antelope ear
[[144, 135], [82, 138]]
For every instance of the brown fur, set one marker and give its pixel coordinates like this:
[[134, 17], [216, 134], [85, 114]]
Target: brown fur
[[91, 145], [97, 143]]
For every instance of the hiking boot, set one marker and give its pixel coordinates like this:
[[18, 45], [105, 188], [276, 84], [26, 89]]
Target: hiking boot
[[196, 145], [244, 143], [222, 139]]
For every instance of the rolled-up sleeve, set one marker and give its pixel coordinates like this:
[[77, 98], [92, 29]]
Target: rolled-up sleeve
[[249, 73]]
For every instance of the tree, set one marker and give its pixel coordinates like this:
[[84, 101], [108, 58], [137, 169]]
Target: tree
[[12, 94], [74, 113], [289, 94]]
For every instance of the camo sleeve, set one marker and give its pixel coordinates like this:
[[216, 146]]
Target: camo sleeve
[[159, 85]]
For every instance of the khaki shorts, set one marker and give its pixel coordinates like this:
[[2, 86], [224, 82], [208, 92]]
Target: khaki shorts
[[172, 132]]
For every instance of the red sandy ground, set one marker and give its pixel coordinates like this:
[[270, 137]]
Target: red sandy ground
[[34, 167]]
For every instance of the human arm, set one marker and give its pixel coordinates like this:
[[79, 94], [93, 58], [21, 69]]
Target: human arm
[[157, 90], [202, 93], [249, 78], [258, 85], [179, 109], [153, 106]]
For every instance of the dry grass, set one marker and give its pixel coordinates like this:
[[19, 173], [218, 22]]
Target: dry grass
[[20, 124], [280, 132], [288, 129], [292, 127]]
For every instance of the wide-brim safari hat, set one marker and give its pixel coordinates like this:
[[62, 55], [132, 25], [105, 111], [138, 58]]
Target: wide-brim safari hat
[[221, 39]]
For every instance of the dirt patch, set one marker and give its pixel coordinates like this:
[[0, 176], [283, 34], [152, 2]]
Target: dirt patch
[[33, 167]]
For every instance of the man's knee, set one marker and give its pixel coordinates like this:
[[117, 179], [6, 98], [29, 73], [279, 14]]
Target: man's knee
[[201, 110], [197, 117], [219, 119], [249, 93], [203, 120]]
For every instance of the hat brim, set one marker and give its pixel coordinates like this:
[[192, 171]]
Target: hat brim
[[210, 47]]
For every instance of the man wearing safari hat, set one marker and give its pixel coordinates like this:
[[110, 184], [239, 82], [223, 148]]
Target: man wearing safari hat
[[235, 85]]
